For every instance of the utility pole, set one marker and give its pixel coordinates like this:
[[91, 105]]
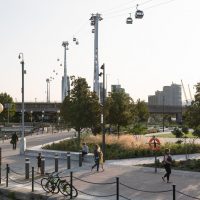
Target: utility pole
[[65, 85], [23, 139], [95, 18], [103, 113]]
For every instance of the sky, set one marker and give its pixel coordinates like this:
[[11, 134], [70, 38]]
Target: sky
[[158, 50]]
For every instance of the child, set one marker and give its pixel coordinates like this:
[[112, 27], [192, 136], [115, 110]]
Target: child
[[39, 160]]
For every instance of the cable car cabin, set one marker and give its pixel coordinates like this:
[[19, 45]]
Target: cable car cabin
[[129, 20], [74, 39], [92, 23], [77, 43], [93, 30], [139, 14]]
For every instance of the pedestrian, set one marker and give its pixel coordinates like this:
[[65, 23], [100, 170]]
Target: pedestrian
[[96, 157], [39, 161], [85, 150], [101, 158], [14, 140], [167, 162]]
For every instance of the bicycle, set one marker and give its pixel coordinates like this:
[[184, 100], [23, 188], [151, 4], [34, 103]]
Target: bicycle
[[55, 184]]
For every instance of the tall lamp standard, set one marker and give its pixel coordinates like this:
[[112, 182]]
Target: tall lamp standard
[[23, 139], [103, 113], [163, 114]]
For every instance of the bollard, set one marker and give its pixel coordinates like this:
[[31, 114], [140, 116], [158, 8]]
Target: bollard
[[155, 162], [42, 165], [56, 162], [80, 159], [27, 164], [68, 160], [71, 183], [174, 192], [7, 171], [0, 164], [117, 188], [32, 179]]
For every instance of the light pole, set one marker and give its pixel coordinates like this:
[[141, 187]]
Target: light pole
[[163, 114], [103, 113], [23, 139], [42, 121], [58, 118]]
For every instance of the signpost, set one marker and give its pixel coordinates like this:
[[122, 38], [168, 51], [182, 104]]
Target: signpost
[[154, 144]]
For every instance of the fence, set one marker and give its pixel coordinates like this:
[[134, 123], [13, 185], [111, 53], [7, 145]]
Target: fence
[[24, 179]]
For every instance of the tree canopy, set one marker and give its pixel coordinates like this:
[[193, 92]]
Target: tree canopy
[[192, 114], [9, 108], [81, 108]]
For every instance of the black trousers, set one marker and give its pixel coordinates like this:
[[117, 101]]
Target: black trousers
[[96, 164], [14, 145], [168, 171]]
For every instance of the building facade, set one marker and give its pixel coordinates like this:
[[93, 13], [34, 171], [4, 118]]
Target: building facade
[[171, 95]]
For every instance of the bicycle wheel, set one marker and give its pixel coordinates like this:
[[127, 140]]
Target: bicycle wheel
[[54, 188], [66, 190], [45, 184]]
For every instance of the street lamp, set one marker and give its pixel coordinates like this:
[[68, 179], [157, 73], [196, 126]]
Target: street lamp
[[163, 114], [23, 139], [58, 118], [103, 112], [42, 121]]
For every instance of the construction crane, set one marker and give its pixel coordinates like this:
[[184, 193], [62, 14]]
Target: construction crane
[[190, 92], [184, 93]]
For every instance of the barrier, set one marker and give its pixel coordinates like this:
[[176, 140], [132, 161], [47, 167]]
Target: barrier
[[116, 194]]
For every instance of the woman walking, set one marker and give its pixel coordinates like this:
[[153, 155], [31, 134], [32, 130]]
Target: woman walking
[[167, 161], [96, 157]]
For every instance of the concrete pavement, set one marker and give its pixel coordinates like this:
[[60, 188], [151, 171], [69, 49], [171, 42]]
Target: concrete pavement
[[136, 182]]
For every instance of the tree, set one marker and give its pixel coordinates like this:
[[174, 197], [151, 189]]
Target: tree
[[192, 114], [81, 108], [9, 107], [118, 105], [142, 111]]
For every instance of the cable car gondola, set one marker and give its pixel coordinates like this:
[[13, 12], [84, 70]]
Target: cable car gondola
[[74, 39], [77, 43], [93, 30], [129, 20], [139, 13]]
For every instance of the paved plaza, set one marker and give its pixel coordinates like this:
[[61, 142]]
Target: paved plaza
[[135, 182]]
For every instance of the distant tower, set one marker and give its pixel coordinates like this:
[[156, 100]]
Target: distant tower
[[95, 22], [65, 82], [48, 90]]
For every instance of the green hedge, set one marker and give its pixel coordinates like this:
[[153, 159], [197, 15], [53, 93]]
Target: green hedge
[[116, 151]]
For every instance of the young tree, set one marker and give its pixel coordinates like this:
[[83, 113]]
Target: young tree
[[81, 108], [118, 106]]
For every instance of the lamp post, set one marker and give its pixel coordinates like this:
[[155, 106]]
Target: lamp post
[[103, 113], [23, 139], [42, 121], [163, 114], [58, 118]]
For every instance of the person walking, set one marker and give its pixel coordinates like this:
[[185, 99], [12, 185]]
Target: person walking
[[39, 161], [96, 157], [101, 159], [14, 140], [167, 162], [85, 150]]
